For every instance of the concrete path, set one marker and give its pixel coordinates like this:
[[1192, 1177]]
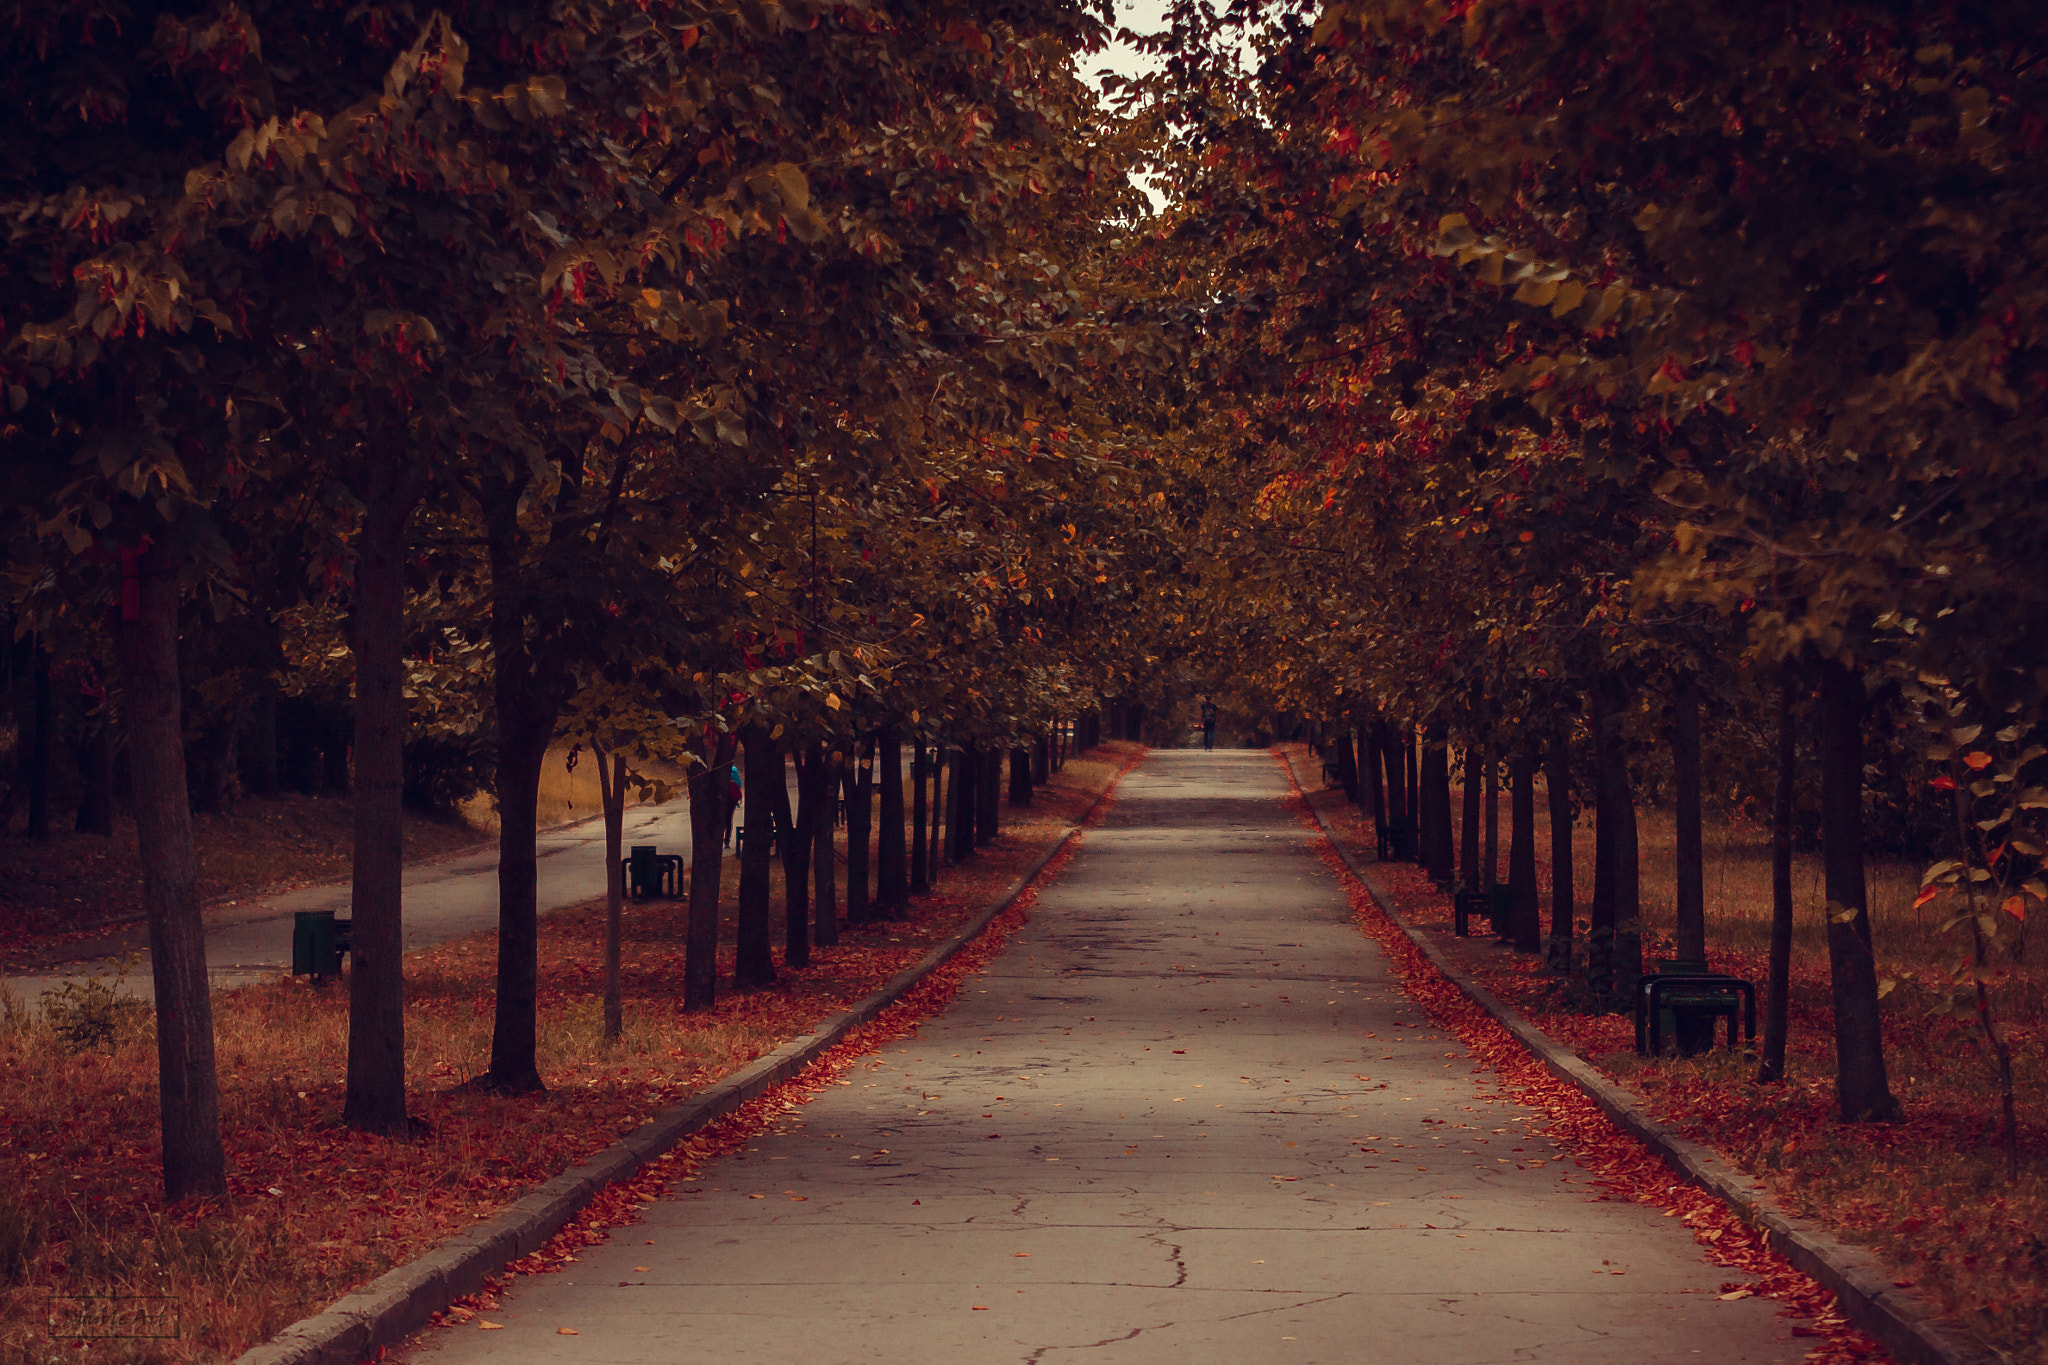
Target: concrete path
[[1185, 1117]]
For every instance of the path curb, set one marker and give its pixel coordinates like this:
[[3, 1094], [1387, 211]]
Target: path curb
[[400, 1301], [1861, 1283]]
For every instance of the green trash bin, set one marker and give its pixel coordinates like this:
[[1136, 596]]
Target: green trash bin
[[318, 941]]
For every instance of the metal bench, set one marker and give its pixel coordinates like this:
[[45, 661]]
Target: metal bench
[[1683, 992], [1467, 905], [646, 873]]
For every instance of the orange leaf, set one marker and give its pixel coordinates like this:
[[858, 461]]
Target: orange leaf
[[1927, 893], [1977, 761], [490, 1327], [566, 1332], [2016, 906]]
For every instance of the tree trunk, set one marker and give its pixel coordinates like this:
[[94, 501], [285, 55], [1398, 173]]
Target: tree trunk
[[935, 847], [1469, 802], [1347, 767], [188, 1090], [1369, 782], [754, 957], [710, 816], [1525, 914], [1489, 773], [375, 1099], [96, 806], [1862, 1090], [1020, 777], [1411, 746], [41, 749], [1557, 778], [859, 786], [1600, 932], [988, 769], [611, 796], [522, 748], [892, 881], [1436, 802], [824, 858], [1690, 940], [1041, 760], [1778, 973], [793, 837], [1397, 785], [334, 758], [920, 816], [259, 753], [1625, 958], [960, 809]]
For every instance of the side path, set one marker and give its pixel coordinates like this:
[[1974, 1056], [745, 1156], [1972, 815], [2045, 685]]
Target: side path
[[445, 898], [1187, 1116]]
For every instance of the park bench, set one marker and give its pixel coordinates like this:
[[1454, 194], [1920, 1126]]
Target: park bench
[[646, 873], [318, 942], [1682, 994], [1466, 906], [1496, 904], [739, 839]]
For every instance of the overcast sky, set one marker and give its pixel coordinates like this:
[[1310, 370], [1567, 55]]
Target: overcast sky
[[1144, 16]]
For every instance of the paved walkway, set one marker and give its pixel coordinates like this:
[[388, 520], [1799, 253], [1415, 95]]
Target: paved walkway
[[1186, 1117]]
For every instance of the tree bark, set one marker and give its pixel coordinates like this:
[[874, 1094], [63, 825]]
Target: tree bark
[[709, 818], [892, 881], [988, 769], [1525, 915], [1468, 843], [375, 1100], [1557, 779], [1690, 940], [1020, 777], [1369, 782], [1347, 767], [188, 1089], [920, 816], [1778, 972], [41, 747], [1625, 959], [1411, 746], [1397, 784], [960, 808], [793, 837], [259, 754], [1600, 932], [859, 787], [754, 932], [1436, 801], [522, 748], [96, 806], [1489, 773], [1862, 1090], [824, 858], [611, 796]]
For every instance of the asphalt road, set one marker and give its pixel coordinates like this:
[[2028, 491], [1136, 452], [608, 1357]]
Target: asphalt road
[[1186, 1116]]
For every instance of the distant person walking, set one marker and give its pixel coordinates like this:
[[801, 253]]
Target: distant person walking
[[1208, 724]]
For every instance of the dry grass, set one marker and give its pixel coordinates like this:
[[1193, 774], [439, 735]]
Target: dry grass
[[314, 1209], [1928, 1194]]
